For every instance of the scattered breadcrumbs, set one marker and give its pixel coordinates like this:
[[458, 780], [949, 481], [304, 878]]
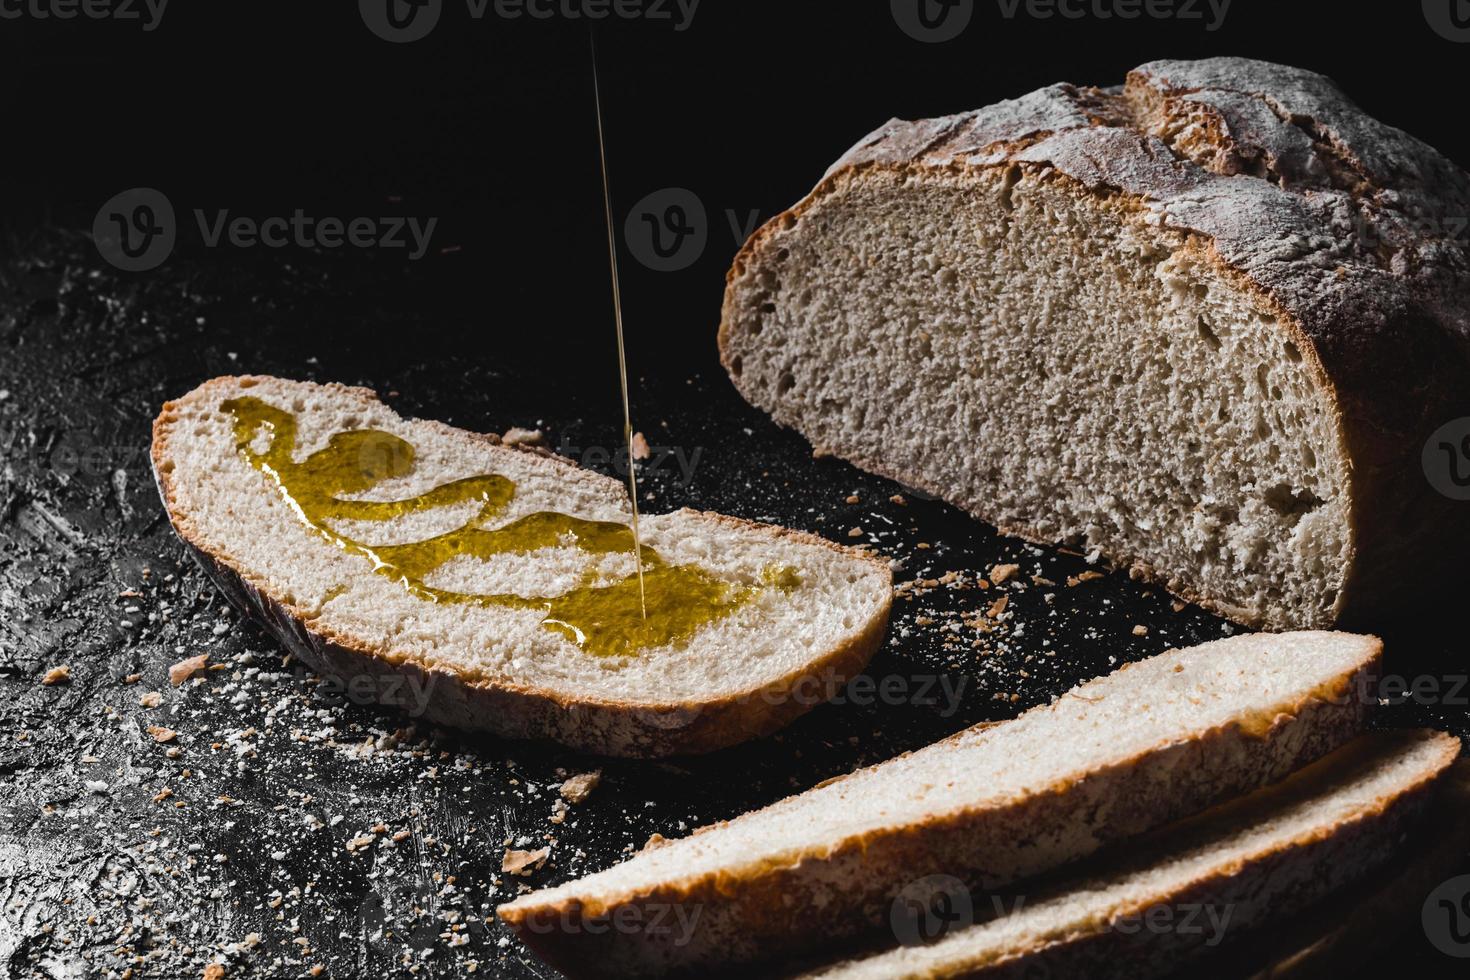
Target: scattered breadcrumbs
[[522, 437], [57, 675], [853, 498], [998, 606], [1073, 580], [1140, 630], [214, 971], [524, 862], [640, 447], [185, 669], [150, 699], [579, 787], [1000, 574], [161, 734], [898, 499], [856, 532]]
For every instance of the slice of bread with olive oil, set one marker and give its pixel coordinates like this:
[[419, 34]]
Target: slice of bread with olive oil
[[495, 588]]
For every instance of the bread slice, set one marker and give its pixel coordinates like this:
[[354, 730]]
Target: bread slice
[[514, 618], [1149, 743], [1337, 935], [1203, 324], [1234, 869]]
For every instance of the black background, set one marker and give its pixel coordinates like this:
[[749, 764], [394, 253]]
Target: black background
[[487, 126]]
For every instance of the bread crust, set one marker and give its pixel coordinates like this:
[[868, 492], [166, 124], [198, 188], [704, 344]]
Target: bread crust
[[604, 726], [1343, 228], [1343, 852], [776, 910]]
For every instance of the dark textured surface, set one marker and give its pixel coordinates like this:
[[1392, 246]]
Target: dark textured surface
[[246, 861]]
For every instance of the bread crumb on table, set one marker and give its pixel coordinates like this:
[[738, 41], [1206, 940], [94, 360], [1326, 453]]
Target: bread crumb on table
[[579, 787], [1140, 630], [57, 675], [150, 699], [640, 447], [161, 734], [524, 862], [516, 436], [185, 669], [1000, 574]]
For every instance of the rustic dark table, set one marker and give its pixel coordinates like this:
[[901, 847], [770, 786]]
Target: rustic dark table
[[229, 843]]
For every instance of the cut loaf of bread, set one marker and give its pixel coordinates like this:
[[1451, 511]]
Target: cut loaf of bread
[[1203, 324], [1250, 863], [1117, 756], [765, 660]]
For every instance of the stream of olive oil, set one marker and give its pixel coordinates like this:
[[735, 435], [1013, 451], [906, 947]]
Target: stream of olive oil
[[617, 618]]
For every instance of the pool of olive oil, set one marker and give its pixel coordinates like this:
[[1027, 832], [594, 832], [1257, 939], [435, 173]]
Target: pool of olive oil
[[619, 618]]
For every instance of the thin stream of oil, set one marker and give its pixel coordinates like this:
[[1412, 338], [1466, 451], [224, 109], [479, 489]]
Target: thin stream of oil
[[612, 258]]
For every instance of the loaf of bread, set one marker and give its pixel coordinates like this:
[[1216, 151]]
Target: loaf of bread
[[495, 588], [1201, 325]]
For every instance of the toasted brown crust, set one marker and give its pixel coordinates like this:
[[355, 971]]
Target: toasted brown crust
[[776, 911], [589, 723], [1349, 238]]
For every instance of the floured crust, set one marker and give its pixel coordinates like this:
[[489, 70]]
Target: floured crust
[[1349, 231], [593, 723], [778, 908]]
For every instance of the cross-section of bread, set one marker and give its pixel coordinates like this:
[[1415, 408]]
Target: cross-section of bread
[[1246, 865], [1203, 324], [495, 588], [1120, 755]]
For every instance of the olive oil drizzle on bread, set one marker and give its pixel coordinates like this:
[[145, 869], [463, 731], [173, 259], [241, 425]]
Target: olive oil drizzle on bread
[[619, 618]]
